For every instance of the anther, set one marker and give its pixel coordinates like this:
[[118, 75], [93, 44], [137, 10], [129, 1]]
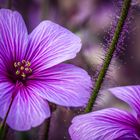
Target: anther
[[15, 65], [18, 63], [17, 72], [28, 64], [21, 68], [23, 61], [26, 69], [23, 75]]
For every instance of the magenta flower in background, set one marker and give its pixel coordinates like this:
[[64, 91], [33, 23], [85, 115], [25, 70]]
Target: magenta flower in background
[[112, 123], [30, 72]]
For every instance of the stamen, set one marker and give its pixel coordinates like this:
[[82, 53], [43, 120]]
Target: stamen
[[28, 64], [22, 69], [15, 65], [23, 61], [26, 69], [17, 72], [23, 75], [18, 63]]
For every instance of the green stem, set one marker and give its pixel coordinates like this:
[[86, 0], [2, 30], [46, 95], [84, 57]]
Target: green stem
[[109, 55]]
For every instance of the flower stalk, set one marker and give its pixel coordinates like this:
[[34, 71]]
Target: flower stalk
[[109, 55], [2, 127]]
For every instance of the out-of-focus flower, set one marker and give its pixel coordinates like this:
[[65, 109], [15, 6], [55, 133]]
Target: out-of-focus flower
[[30, 73], [112, 123], [83, 12], [136, 2], [90, 14], [34, 15], [101, 19]]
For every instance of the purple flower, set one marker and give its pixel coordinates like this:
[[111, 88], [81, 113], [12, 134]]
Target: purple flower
[[112, 123], [30, 72]]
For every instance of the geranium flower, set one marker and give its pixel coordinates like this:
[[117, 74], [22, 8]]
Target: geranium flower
[[30, 72], [111, 123]]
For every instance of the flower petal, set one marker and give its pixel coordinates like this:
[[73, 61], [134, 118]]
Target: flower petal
[[107, 124], [6, 89], [129, 94], [27, 110], [63, 84], [13, 36], [51, 44]]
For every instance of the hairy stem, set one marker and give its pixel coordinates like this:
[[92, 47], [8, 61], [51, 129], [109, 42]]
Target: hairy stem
[[109, 55]]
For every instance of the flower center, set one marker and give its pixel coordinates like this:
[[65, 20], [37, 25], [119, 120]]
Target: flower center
[[22, 69]]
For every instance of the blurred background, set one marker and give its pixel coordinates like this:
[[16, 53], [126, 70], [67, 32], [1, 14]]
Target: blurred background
[[94, 21]]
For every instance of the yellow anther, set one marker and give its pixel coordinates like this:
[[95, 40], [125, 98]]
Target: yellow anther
[[21, 68], [23, 75], [28, 64], [15, 65], [18, 63], [17, 72]]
